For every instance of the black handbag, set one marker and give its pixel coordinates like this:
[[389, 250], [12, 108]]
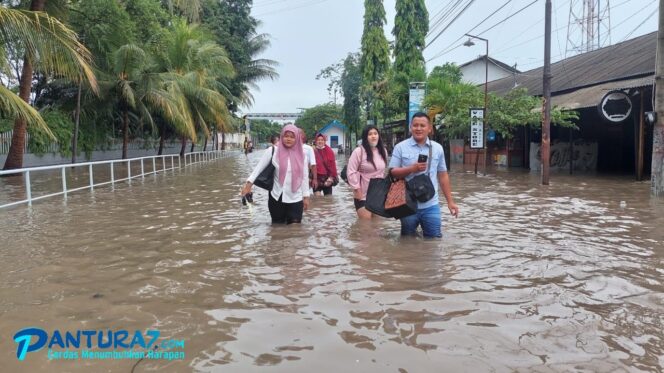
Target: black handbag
[[344, 173], [376, 194], [420, 186], [265, 179]]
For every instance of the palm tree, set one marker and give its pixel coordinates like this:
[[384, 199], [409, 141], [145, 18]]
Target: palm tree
[[48, 45], [139, 92], [194, 68], [256, 69], [190, 9]]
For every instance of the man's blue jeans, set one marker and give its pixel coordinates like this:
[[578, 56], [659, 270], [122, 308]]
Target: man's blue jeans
[[428, 218]]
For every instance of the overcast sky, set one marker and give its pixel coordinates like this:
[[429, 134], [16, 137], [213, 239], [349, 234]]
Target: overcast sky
[[308, 35]]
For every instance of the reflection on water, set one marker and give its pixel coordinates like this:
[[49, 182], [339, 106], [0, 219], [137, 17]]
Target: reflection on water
[[564, 278]]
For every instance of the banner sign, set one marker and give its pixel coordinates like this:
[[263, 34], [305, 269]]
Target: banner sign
[[476, 128], [415, 100]]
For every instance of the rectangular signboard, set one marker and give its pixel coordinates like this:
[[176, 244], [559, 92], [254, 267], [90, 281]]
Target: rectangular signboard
[[476, 128], [415, 99]]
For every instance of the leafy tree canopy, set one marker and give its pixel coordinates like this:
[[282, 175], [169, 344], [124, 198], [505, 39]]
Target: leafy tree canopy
[[315, 118]]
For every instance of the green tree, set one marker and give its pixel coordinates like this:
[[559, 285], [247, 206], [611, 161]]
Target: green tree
[[449, 71], [234, 28], [195, 66], [346, 80], [97, 23], [411, 25], [49, 46], [517, 108], [375, 51], [351, 81], [315, 118]]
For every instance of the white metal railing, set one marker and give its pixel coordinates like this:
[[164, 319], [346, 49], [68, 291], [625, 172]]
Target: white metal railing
[[159, 163]]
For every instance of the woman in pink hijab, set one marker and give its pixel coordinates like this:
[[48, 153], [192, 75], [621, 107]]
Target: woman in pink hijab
[[289, 196]]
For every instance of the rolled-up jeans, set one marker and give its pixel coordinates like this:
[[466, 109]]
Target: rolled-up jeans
[[428, 218]]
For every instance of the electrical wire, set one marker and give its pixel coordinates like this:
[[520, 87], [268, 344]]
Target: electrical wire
[[445, 16], [500, 22], [299, 6], [450, 23], [474, 27]]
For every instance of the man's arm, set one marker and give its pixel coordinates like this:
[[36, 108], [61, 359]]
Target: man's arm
[[446, 187], [396, 169]]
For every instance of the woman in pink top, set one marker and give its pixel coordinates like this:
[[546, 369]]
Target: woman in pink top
[[367, 161]]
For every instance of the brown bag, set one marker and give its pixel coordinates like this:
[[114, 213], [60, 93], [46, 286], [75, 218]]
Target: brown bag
[[399, 203]]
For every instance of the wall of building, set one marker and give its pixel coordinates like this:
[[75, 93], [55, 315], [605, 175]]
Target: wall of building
[[475, 72], [334, 131]]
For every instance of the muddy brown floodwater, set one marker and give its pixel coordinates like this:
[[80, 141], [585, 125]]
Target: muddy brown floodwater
[[528, 278]]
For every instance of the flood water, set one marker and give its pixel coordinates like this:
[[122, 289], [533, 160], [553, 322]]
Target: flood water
[[528, 278]]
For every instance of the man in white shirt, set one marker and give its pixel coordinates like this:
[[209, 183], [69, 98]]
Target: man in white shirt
[[309, 151]]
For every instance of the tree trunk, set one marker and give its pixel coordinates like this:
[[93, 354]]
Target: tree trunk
[[223, 140], [15, 156], [77, 117], [125, 133], [184, 146], [205, 144], [161, 138], [192, 147]]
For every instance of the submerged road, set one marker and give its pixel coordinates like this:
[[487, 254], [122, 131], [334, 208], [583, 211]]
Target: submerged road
[[528, 278]]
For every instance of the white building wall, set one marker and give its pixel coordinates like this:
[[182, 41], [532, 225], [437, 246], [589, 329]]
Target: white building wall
[[474, 73], [334, 131]]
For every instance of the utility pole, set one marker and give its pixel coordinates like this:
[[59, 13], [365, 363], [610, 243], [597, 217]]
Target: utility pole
[[657, 171], [546, 93]]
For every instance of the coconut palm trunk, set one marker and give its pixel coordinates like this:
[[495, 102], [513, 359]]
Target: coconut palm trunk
[[205, 144], [77, 117], [162, 129], [223, 140], [184, 146], [15, 155], [125, 133]]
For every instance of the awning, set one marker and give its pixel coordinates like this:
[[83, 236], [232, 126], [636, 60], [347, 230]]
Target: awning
[[591, 96]]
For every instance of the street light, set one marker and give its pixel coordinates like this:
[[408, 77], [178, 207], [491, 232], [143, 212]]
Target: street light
[[470, 43]]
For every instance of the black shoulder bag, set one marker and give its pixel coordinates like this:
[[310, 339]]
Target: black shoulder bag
[[265, 179], [421, 187]]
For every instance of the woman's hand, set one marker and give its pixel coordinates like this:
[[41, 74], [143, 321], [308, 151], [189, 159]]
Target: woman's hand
[[246, 188], [357, 194], [305, 202]]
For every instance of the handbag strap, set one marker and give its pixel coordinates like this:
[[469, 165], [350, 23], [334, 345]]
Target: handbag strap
[[430, 153]]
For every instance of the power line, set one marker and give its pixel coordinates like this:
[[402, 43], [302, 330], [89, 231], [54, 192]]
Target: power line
[[500, 49], [452, 46], [598, 56], [301, 5], [440, 15], [508, 17], [641, 24], [474, 27], [450, 24], [445, 16]]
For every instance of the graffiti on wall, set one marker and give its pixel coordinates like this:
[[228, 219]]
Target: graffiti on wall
[[583, 156], [456, 150]]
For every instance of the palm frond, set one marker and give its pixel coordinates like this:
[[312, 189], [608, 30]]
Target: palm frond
[[48, 43], [12, 106]]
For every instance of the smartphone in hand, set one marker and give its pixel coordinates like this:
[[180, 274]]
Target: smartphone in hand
[[422, 158]]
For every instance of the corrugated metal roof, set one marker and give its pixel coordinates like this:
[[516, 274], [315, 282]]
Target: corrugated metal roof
[[629, 59], [591, 96]]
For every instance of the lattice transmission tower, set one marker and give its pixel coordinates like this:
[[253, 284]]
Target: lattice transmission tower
[[588, 26]]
